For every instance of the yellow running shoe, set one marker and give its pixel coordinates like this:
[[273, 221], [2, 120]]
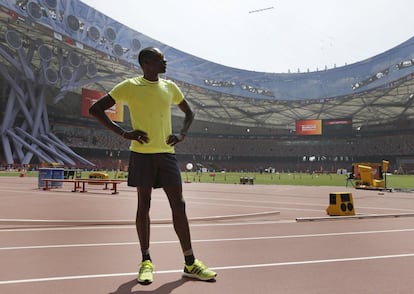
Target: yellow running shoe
[[199, 271], [145, 275]]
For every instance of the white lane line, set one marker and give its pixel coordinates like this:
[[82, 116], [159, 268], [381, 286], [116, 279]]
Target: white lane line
[[77, 245], [155, 226], [291, 203], [57, 222], [211, 240], [375, 257], [233, 267]]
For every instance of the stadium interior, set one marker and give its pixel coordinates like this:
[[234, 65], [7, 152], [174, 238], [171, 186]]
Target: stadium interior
[[250, 121]]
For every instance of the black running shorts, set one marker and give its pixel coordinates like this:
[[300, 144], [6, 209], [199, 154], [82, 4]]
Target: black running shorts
[[153, 170]]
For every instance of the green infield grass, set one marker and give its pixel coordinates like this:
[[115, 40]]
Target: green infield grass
[[305, 179]]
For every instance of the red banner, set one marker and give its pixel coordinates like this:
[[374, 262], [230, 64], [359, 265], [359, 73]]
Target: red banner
[[309, 127], [89, 97]]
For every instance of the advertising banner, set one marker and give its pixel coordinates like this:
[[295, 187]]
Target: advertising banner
[[89, 97]]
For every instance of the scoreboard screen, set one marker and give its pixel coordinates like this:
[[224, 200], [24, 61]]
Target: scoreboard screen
[[324, 127], [309, 127], [337, 127]]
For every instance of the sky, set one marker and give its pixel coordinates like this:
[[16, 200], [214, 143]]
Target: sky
[[270, 35]]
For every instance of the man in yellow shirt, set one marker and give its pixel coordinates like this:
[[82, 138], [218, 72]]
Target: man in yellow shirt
[[152, 159]]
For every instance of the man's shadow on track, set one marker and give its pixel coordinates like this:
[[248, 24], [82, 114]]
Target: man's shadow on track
[[126, 288]]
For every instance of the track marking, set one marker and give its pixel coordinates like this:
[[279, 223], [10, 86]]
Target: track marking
[[233, 267], [55, 222], [288, 203], [209, 240], [155, 226]]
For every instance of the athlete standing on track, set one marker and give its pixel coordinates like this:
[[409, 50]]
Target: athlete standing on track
[[152, 159]]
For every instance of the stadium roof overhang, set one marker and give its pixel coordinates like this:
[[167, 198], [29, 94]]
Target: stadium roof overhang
[[377, 106]]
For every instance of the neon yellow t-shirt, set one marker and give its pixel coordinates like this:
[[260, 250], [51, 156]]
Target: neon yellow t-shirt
[[149, 105]]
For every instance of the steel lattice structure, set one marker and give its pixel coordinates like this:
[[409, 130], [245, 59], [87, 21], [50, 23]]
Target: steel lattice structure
[[67, 45]]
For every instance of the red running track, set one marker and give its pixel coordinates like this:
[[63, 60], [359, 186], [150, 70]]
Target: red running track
[[63, 242]]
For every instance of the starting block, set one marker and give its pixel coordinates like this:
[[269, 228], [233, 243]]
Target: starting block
[[340, 203]]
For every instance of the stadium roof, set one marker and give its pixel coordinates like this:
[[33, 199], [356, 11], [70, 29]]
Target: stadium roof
[[377, 90]]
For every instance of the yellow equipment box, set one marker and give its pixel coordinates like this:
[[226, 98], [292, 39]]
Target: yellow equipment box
[[99, 176], [340, 203]]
